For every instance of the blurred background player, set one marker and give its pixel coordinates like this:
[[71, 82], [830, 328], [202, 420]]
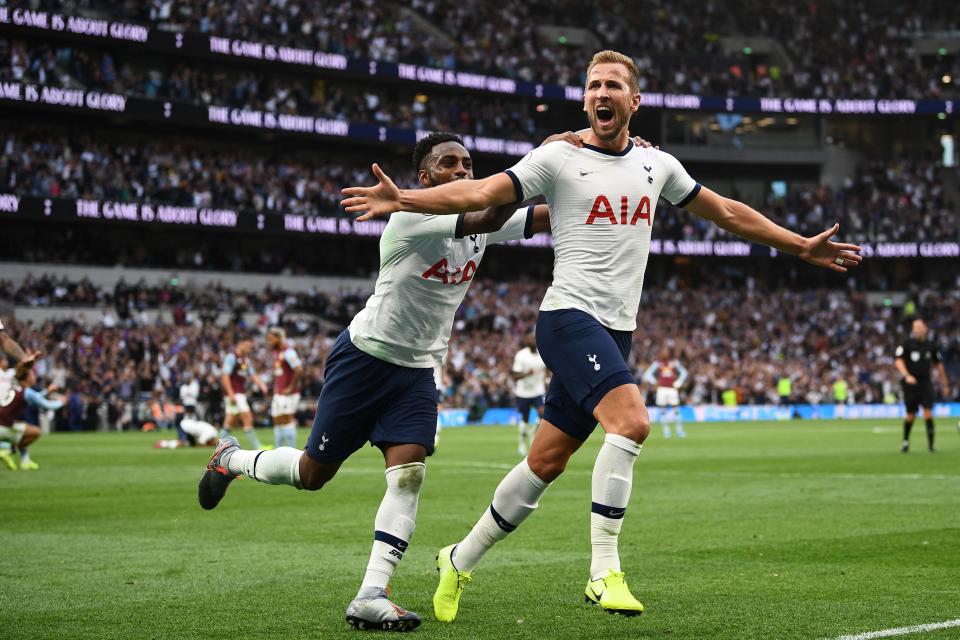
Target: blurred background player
[[439, 379], [915, 356], [189, 394], [530, 374], [668, 375], [13, 350], [233, 379], [21, 435], [193, 433], [287, 375]]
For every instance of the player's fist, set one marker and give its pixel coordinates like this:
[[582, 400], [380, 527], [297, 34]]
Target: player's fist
[[910, 379]]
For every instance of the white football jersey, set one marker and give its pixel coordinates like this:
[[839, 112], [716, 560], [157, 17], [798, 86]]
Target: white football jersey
[[204, 432], [190, 393], [425, 271], [602, 206], [6, 380], [534, 383]]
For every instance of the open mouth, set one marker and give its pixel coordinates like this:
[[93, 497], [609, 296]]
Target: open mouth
[[604, 115]]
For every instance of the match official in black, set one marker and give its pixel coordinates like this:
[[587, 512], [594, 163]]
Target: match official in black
[[914, 359]]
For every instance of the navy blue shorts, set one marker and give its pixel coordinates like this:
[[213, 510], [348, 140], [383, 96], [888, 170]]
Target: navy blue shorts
[[587, 360], [365, 399], [524, 405]]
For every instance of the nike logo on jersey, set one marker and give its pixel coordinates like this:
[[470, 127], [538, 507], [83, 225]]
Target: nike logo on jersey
[[584, 172]]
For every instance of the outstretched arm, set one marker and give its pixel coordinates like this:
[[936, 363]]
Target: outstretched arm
[[493, 218], [739, 219], [454, 197], [13, 350]]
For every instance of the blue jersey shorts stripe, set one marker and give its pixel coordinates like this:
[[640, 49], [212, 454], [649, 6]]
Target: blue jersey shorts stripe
[[390, 539], [614, 513], [503, 524]]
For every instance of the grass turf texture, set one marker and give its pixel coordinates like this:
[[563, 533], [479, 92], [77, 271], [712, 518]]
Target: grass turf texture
[[789, 530]]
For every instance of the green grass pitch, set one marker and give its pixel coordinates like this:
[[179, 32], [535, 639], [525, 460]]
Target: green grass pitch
[[741, 531]]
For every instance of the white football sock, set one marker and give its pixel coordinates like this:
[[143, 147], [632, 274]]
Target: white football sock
[[285, 435], [515, 498], [252, 437], [612, 481], [280, 466], [24, 456], [394, 524], [522, 446]]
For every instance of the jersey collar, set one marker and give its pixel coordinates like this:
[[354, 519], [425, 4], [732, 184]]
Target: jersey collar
[[607, 152]]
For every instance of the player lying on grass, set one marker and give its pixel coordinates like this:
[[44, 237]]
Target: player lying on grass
[[194, 433], [379, 377], [602, 198], [19, 434]]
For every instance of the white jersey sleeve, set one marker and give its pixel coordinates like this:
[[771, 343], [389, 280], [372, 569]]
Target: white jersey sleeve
[[292, 358], [518, 227], [536, 174], [417, 225], [229, 363], [679, 188], [518, 362]]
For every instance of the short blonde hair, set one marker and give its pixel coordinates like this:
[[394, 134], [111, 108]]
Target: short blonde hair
[[615, 57]]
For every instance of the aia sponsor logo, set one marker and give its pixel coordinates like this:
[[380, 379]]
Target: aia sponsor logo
[[442, 272], [603, 211]]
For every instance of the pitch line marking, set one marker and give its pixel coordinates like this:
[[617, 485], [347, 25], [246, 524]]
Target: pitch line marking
[[902, 631]]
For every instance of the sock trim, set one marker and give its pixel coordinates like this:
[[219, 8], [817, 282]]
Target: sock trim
[[404, 466], [613, 513], [390, 539], [503, 524], [257, 457], [622, 442], [534, 479]]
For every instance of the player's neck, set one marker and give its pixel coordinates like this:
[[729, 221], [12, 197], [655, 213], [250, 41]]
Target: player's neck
[[617, 144]]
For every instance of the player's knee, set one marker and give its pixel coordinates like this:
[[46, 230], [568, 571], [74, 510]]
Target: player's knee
[[312, 482], [547, 468], [314, 476], [634, 425]]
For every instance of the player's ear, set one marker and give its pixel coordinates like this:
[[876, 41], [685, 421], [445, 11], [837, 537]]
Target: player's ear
[[423, 176], [635, 103]]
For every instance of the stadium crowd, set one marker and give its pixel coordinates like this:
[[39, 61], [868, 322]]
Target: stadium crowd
[[126, 371], [885, 201], [829, 48], [397, 106]]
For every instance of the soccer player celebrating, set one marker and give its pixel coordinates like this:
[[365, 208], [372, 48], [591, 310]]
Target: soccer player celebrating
[[914, 359], [530, 375], [602, 198], [21, 435], [287, 373], [668, 375], [379, 382], [233, 380]]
